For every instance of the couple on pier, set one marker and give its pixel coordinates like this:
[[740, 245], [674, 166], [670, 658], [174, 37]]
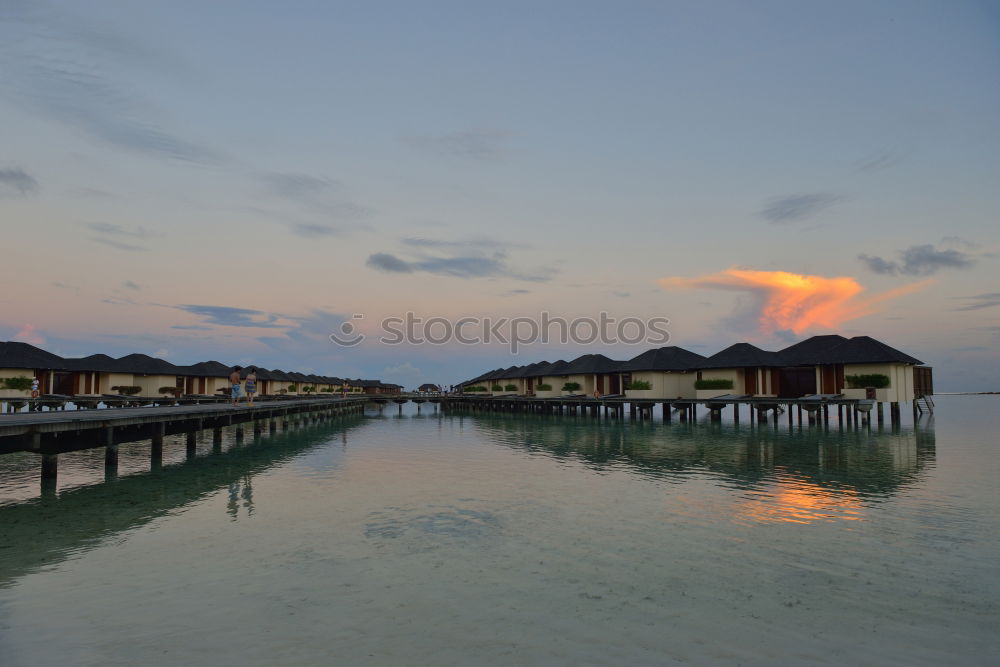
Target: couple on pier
[[251, 388]]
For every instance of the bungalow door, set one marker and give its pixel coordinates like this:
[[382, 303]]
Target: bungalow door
[[750, 381], [531, 386], [600, 384]]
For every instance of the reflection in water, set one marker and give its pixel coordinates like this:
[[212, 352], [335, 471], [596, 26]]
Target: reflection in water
[[794, 476], [49, 528]]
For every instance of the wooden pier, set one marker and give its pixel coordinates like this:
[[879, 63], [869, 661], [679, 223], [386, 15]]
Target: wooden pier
[[814, 409], [55, 432]]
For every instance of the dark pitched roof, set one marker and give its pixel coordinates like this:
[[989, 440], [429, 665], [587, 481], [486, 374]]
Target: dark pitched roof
[[864, 350], [146, 365], [280, 375], [671, 358], [592, 363], [15, 354], [555, 368], [428, 387], [99, 363], [805, 352], [213, 369], [511, 372], [742, 355]]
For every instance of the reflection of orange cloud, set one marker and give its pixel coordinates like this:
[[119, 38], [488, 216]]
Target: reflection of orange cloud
[[801, 502], [796, 301]]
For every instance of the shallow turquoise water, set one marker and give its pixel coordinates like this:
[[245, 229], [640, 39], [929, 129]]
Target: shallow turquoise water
[[447, 539]]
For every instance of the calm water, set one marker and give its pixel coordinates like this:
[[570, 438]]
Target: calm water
[[442, 539]]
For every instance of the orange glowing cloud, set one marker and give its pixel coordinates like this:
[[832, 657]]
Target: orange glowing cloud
[[794, 301]]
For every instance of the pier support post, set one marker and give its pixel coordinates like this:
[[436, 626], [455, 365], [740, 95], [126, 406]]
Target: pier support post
[[216, 440], [256, 428], [272, 427], [50, 466], [879, 413], [110, 448], [736, 412], [667, 417], [894, 413], [191, 443]]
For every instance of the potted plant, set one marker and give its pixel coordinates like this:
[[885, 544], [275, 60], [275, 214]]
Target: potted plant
[[571, 387], [712, 387], [510, 387]]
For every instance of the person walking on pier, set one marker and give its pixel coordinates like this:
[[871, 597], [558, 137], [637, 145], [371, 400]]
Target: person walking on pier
[[234, 380], [251, 386]]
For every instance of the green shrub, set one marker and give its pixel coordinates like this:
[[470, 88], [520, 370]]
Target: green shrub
[[713, 384], [293, 387], [544, 387], [639, 384], [308, 389], [127, 390], [327, 389], [510, 387], [571, 386], [478, 387], [17, 384], [876, 380], [167, 390], [496, 387]]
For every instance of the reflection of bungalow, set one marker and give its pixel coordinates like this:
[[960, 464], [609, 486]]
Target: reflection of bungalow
[[863, 355], [19, 359], [670, 372], [206, 378], [751, 371], [593, 372]]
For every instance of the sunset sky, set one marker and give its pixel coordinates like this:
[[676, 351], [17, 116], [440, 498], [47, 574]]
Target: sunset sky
[[233, 180]]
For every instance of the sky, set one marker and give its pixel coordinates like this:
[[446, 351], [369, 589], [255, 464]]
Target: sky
[[236, 180]]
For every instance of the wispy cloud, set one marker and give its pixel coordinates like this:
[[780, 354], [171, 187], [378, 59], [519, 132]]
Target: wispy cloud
[[233, 317], [481, 242], [17, 183], [128, 284], [484, 145], [295, 185], [980, 301], [119, 236], [67, 69], [494, 266], [314, 231], [796, 208], [919, 260], [878, 161], [130, 247]]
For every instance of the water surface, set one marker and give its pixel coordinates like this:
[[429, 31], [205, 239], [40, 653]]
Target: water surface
[[508, 539]]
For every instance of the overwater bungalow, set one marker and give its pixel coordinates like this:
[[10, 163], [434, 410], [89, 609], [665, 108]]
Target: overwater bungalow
[[801, 373], [96, 374], [206, 378], [863, 367], [547, 380], [741, 369], [670, 372], [22, 360], [592, 373]]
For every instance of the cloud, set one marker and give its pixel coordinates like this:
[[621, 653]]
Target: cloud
[[456, 267], [981, 301], [314, 231], [621, 294], [484, 145], [403, 373], [63, 67], [110, 235], [878, 161], [795, 208], [118, 244], [27, 334], [919, 260], [17, 182], [294, 185], [233, 317], [119, 230], [128, 284], [782, 301], [516, 292], [191, 327], [482, 242]]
